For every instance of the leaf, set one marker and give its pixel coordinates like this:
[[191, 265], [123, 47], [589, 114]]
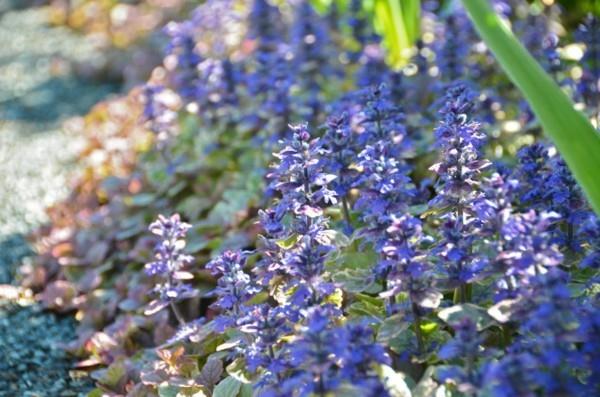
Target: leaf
[[404, 341], [572, 133], [353, 270], [193, 206], [229, 345], [361, 308], [228, 387], [427, 386], [58, 295], [503, 310], [142, 199], [455, 314], [154, 377], [199, 393], [430, 299], [166, 390], [154, 307], [96, 393], [237, 370], [321, 5], [96, 253], [233, 203], [427, 327], [246, 390], [353, 280], [287, 243], [211, 373], [399, 24], [391, 328], [358, 260], [394, 382], [336, 298], [114, 375]]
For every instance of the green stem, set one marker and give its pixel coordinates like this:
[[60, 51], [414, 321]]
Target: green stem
[[346, 211], [506, 337], [456, 299], [418, 333], [177, 313]]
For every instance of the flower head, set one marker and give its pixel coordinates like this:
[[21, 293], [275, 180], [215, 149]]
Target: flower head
[[169, 263]]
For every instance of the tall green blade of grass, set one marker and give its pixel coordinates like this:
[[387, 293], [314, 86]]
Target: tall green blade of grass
[[572, 133], [398, 21]]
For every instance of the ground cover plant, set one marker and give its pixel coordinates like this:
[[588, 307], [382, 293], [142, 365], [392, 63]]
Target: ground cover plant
[[277, 212]]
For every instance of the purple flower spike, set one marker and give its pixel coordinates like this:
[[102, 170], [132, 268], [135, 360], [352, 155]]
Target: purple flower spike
[[234, 287], [169, 263]]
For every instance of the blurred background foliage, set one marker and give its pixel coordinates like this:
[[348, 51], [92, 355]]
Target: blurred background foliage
[[575, 10]]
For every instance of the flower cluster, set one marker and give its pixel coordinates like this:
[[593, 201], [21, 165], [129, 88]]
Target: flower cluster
[[159, 113], [453, 49], [325, 358], [309, 41], [351, 265], [298, 217], [234, 287], [588, 87], [547, 185], [386, 187], [458, 189], [182, 52], [169, 265]]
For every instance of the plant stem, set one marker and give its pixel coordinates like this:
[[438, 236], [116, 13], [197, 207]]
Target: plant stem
[[346, 212], [418, 333], [177, 313], [506, 338]]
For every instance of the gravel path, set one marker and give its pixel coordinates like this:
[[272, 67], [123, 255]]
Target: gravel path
[[38, 91]]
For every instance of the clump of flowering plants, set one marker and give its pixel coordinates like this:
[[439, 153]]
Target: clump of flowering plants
[[358, 231]]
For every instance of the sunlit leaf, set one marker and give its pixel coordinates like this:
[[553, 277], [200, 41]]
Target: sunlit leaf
[[395, 382], [228, 387], [455, 314], [399, 24]]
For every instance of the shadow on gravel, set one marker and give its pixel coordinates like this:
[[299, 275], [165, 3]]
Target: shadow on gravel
[[33, 361], [38, 91], [55, 99], [13, 249]]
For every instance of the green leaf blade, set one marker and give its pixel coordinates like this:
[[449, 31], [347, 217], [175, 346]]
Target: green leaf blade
[[398, 21], [572, 133]]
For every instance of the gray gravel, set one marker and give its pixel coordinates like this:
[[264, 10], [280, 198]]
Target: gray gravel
[[38, 92]]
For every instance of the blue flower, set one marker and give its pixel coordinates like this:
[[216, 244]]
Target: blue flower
[[458, 188], [234, 287], [590, 231], [532, 172], [325, 357], [300, 176], [159, 115], [266, 325], [453, 47], [309, 41], [182, 47], [405, 267], [527, 249], [588, 87], [466, 346], [169, 264]]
